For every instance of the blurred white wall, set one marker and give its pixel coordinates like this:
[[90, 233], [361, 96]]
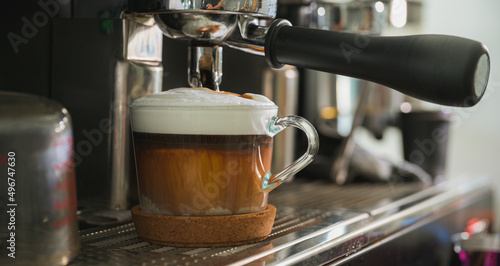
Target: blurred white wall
[[475, 138]]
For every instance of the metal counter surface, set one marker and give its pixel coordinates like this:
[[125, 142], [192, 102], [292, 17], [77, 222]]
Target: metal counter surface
[[316, 222]]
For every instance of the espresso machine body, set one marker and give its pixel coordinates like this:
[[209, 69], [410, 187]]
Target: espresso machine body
[[96, 56], [94, 61]]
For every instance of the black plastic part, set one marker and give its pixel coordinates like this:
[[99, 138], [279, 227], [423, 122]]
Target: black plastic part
[[425, 140], [435, 68], [271, 42]]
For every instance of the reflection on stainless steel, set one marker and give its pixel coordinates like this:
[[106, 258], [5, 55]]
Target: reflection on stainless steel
[[281, 86], [143, 40], [202, 26], [252, 7], [136, 76], [250, 35], [238, 23], [239, 31], [351, 16], [316, 223], [142, 79]]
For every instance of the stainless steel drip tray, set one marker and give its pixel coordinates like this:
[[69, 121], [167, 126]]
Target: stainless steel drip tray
[[316, 222]]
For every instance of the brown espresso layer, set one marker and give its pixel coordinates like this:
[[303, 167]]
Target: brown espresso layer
[[202, 174]]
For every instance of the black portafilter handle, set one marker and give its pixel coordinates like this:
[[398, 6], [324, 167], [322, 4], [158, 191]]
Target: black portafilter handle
[[442, 69]]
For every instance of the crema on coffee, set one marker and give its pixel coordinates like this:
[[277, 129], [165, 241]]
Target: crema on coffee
[[200, 152]]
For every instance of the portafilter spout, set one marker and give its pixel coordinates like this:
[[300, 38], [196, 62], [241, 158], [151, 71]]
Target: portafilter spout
[[208, 25], [205, 65], [442, 69]]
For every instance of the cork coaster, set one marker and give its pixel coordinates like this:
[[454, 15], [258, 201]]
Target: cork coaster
[[203, 231]]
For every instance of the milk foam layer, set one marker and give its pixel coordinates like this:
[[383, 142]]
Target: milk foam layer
[[202, 111]]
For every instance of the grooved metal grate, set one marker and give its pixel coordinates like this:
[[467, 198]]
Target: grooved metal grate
[[302, 208]]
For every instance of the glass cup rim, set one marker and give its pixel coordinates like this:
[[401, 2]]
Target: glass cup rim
[[205, 107]]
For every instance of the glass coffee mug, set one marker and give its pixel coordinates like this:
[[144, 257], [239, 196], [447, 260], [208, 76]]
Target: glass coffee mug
[[206, 153]]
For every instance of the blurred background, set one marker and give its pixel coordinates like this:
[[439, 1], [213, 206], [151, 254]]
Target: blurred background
[[474, 143], [475, 137]]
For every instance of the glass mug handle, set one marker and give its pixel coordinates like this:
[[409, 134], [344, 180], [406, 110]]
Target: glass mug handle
[[278, 124]]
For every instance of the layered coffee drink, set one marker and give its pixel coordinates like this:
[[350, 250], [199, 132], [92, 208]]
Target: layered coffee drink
[[200, 152]]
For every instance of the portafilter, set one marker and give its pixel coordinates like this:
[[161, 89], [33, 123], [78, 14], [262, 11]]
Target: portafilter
[[442, 69]]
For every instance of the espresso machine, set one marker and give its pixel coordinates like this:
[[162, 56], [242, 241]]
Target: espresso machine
[[95, 57], [122, 54]]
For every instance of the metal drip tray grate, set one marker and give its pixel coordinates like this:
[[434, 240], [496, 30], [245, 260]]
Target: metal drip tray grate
[[309, 214]]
